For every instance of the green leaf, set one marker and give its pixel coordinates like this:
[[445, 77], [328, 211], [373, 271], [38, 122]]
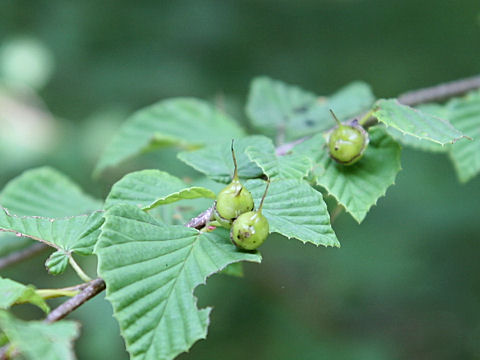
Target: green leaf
[[464, 114], [358, 187], [75, 234], [290, 166], [296, 210], [275, 107], [271, 104], [181, 212], [37, 340], [436, 110], [46, 192], [415, 123], [216, 162], [350, 101], [148, 189], [313, 148], [151, 271], [183, 122], [3, 338], [16, 293], [57, 262]]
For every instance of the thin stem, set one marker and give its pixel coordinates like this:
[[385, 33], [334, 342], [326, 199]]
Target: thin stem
[[363, 121], [67, 291], [335, 117], [235, 173], [78, 269], [264, 195], [91, 289]]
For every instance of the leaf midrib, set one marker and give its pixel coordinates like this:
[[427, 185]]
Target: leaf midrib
[[197, 236]]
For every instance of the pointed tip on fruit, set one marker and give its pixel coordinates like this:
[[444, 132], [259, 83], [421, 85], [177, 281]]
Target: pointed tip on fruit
[[235, 172], [335, 117]]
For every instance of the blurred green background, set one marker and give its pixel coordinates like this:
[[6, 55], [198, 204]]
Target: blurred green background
[[404, 285]]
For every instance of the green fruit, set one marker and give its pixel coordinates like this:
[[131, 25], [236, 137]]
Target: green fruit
[[249, 230], [347, 142], [233, 200]]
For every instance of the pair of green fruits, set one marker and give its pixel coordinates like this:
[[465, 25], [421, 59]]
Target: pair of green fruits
[[234, 210], [234, 205]]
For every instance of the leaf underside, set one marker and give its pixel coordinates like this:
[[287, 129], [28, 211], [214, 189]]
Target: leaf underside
[[148, 189], [57, 262]]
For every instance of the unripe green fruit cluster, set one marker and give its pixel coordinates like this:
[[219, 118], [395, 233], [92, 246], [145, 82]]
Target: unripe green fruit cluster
[[234, 210], [347, 143]]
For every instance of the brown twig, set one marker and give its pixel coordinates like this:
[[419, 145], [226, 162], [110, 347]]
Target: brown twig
[[21, 255], [93, 288], [433, 93], [201, 220], [440, 92]]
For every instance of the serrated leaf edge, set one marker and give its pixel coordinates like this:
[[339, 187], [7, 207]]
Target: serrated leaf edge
[[164, 200], [7, 212], [453, 141], [354, 214], [252, 158], [208, 309]]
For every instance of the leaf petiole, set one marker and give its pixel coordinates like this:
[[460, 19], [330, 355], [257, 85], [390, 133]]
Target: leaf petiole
[[78, 269], [54, 293], [365, 117]]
